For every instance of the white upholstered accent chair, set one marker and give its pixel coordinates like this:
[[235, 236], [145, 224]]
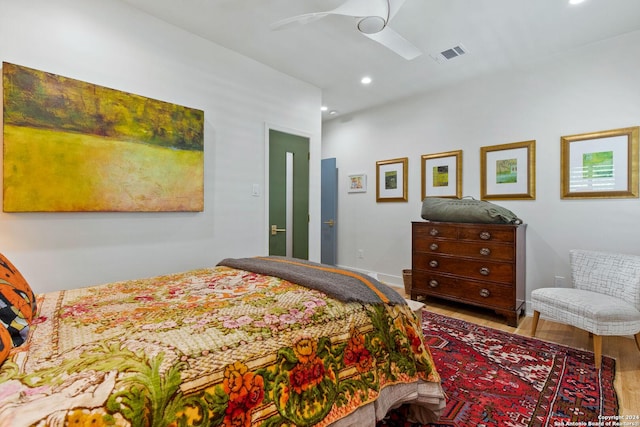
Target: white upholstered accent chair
[[604, 299]]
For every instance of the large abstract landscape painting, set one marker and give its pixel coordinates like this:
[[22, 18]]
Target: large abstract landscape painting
[[71, 146]]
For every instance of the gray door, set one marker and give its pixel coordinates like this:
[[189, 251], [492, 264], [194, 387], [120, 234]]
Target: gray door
[[288, 195], [329, 211]]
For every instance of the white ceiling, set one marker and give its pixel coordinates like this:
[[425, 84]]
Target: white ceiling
[[330, 53]]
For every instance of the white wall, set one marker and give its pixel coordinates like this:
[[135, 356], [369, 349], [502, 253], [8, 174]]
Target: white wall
[[108, 43], [594, 88]]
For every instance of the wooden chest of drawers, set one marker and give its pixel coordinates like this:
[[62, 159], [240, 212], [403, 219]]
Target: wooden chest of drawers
[[479, 264]]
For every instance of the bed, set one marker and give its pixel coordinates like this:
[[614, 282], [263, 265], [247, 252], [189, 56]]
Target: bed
[[264, 341]]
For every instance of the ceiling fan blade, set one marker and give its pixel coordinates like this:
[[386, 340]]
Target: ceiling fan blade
[[297, 20], [361, 8], [395, 42], [394, 7], [356, 8]]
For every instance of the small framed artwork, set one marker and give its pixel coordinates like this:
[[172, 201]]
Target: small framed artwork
[[391, 180], [508, 171], [442, 174], [358, 183], [600, 164]]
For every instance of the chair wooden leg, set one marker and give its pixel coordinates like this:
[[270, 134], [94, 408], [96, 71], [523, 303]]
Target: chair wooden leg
[[638, 340], [597, 350], [534, 323]]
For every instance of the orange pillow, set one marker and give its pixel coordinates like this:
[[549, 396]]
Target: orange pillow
[[5, 344], [17, 302], [10, 274]]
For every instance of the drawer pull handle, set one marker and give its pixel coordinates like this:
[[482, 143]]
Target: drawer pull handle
[[484, 293], [433, 263], [434, 283], [433, 247], [485, 235], [434, 232], [485, 251], [484, 271]]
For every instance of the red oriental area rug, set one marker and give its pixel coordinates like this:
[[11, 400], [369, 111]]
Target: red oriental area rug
[[494, 378]]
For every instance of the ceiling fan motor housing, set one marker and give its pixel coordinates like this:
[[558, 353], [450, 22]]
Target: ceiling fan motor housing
[[371, 24]]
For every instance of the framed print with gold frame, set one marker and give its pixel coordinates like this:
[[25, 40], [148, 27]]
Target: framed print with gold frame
[[392, 180], [442, 174], [600, 164], [508, 171]]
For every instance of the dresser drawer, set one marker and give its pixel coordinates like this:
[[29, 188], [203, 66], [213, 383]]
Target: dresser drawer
[[487, 233], [432, 230], [458, 231], [485, 294], [474, 269], [482, 250]]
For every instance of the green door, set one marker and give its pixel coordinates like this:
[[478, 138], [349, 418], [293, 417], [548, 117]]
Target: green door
[[288, 195]]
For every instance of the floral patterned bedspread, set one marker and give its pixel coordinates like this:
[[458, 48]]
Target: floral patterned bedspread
[[214, 347]]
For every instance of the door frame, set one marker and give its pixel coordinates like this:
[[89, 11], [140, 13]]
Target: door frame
[[267, 127]]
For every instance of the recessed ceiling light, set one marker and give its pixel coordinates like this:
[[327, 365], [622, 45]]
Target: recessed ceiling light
[[365, 80], [333, 112], [575, 1], [324, 108]]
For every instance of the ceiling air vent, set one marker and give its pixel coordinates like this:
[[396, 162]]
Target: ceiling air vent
[[449, 54]]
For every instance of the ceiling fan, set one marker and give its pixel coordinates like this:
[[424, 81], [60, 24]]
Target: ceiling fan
[[373, 18]]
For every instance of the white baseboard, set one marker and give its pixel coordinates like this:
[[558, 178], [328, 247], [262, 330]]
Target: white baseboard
[[393, 281]]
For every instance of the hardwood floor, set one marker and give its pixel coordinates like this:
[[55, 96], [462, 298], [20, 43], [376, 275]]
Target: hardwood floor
[[623, 349]]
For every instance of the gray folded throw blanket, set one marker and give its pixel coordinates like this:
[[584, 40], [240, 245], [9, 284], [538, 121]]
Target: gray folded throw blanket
[[339, 283]]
